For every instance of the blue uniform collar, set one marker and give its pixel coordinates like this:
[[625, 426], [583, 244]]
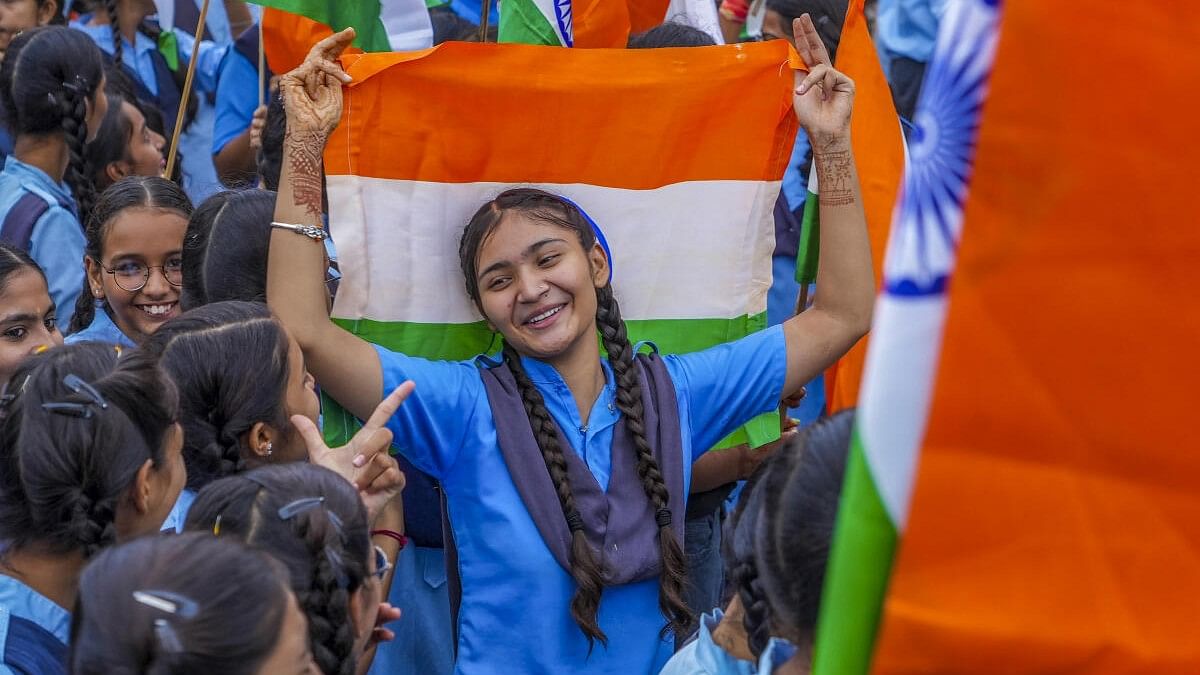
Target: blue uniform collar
[[103, 37], [102, 329], [40, 179], [22, 601]]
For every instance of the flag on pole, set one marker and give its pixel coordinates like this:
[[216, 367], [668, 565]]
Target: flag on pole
[[690, 225], [879, 152], [565, 23], [906, 334], [1055, 521], [292, 27]]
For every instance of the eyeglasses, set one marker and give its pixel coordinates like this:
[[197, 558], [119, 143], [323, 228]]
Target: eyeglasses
[[133, 276], [382, 564]]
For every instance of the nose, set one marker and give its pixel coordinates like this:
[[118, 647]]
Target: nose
[[157, 285], [530, 288], [159, 141]]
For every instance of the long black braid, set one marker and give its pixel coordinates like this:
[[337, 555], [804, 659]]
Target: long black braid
[[110, 7], [629, 402], [75, 132], [585, 603]]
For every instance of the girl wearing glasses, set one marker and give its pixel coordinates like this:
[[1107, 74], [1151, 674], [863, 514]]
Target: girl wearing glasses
[[314, 522], [133, 262]]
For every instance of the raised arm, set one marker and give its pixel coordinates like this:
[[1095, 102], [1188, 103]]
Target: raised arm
[[841, 311], [346, 366]]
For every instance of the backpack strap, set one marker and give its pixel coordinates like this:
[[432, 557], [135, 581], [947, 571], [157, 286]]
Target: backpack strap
[[17, 229], [33, 650]]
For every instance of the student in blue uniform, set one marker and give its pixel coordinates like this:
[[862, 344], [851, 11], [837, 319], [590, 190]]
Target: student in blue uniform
[[314, 522], [28, 323], [238, 111], [124, 146], [89, 455], [134, 264], [121, 29], [16, 17], [533, 451], [52, 88], [189, 604]]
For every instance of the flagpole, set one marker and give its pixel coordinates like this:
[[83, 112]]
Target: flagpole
[[262, 67], [485, 14], [187, 90]]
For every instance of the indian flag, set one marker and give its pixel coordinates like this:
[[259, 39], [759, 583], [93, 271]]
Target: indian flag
[[901, 362], [292, 27], [598, 23], [630, 135], [1054, 524]]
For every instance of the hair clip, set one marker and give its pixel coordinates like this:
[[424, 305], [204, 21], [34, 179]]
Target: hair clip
[[77, 385], [168, 602], [78, 85], [303, 505], [339, 568], [74, 409]]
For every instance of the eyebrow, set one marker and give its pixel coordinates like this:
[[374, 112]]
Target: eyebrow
[[533, 248], [19, 318]]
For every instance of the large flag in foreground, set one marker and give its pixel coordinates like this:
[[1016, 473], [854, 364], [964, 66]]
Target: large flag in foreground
[[1054, 524], [906, 334], [629, 135]]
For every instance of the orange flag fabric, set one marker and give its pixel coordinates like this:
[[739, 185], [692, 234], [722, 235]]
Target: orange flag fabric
[[879, 151], [1055, 523]]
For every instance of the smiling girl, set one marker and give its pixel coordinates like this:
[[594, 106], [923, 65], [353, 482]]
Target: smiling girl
[[28, 322], [134, 263], [565, 473]]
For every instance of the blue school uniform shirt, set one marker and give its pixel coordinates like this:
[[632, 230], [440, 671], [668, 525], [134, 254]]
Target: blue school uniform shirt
[[199, 175], [101, 329], [514, 615], [57, 240], [237, 99], [178, 514], [907, 28], [702, 656], [19, 601]]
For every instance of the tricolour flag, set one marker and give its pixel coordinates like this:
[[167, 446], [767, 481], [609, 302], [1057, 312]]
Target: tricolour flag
[[906, 333], [565, 23], [292, 27], [879, 152], [1055, 520], [630, 135]]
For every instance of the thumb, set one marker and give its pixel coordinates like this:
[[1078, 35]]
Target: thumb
[[308, 430]]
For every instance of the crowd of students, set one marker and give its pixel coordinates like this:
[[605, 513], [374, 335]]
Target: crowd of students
[[167, 501]]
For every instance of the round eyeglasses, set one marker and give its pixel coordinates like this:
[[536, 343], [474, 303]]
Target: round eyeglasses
[[133, 276]]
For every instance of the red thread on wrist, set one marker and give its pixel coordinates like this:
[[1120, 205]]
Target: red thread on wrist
[[392, 534]]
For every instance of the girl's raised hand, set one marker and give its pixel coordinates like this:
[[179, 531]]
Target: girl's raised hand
[[365, 460], [312, 93], [824, 97]]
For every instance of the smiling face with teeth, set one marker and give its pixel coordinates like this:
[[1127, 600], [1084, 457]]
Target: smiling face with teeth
[[537, 287], [148, 236]]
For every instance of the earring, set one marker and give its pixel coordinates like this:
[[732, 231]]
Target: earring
[[97, 292], [270, 448]]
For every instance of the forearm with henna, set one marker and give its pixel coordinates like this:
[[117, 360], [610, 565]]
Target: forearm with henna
[[835, 171], [303, 150]]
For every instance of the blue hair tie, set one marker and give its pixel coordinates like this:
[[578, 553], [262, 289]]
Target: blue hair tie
[[595, 230]]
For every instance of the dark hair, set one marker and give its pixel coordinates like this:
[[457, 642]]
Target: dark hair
[[671, 34], [46, 80], [63, 472], [325, 547], [552, 209], [780, 543], [225, 250], [111, 143], [153, 32], [221, 398], [237, 594], [449, 26], [827, 15], [13, 260], [149, 192], [270, 155]]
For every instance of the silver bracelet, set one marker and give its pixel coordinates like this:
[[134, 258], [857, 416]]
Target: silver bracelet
[[311, 231]]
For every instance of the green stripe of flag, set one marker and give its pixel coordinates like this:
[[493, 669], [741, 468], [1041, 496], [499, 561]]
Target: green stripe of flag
[[527, 22], [457, 342], [809, 251], [856, 578], [363, 15]]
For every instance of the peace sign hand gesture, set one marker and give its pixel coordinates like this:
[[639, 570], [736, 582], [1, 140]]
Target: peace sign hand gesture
[[365, 460], [312, 93], [824, 97]]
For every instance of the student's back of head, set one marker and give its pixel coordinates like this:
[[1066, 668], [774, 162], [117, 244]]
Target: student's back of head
[[781, 540], [192, 603], [88, 440], [225, 250], [314, 522], [671, 34]]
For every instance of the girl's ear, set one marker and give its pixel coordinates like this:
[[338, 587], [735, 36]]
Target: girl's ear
[[359, 622], [261, 440], [142, 487], [599, 265], [47, 11], [95, 281], [116, 170]]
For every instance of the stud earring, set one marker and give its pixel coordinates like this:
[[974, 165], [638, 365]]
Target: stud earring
[[270, 448]]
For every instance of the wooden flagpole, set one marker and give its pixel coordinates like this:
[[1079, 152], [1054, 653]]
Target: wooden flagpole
[[262, 67], [187, 90]]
